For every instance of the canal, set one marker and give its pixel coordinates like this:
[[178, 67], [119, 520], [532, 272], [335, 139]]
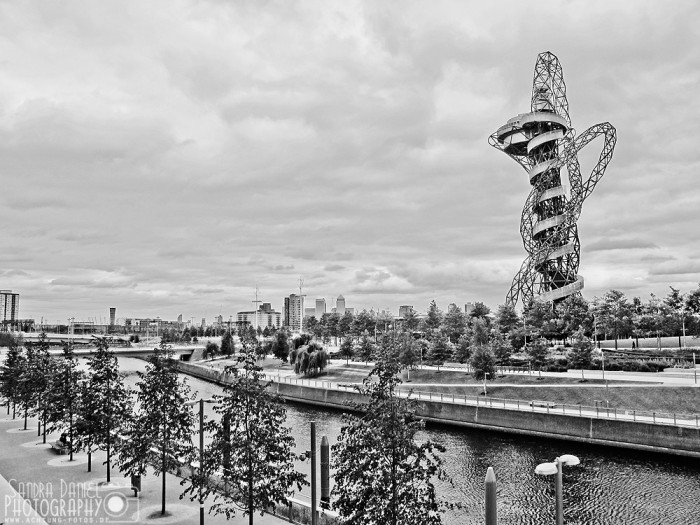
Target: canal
[[609, 487]]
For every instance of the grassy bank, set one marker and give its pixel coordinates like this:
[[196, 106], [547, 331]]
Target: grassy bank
[[623, 395]]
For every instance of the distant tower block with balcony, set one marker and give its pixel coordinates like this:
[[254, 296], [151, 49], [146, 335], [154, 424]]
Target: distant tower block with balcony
[[543, 142]]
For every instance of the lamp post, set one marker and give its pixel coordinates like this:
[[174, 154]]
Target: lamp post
[[201, 402], [485, 374], [555, 468]]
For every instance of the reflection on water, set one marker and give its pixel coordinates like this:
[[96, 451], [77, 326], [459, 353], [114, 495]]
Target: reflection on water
[[609, 487]]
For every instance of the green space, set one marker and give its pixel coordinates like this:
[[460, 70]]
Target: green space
[[622, 395]]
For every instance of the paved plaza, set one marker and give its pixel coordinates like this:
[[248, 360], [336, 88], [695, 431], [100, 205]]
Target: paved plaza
[[38, 486]]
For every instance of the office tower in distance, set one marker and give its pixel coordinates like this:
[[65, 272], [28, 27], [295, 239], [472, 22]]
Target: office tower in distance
[[404, 310], [340, 305], [320, 308]]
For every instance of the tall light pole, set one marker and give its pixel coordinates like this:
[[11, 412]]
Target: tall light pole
[[201, 402], [555, 468]]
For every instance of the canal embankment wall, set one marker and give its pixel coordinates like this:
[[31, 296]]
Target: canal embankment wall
[[639, 435]]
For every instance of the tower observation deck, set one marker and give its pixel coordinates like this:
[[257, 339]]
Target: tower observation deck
[[544, 144]]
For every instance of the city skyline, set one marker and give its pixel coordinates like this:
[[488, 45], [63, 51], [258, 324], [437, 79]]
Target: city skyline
[[168, 161]]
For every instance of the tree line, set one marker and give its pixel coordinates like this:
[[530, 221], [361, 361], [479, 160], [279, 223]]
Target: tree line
[[248, 466]]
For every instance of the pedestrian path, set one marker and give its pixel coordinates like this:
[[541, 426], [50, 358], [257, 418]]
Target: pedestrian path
[[39, 486]]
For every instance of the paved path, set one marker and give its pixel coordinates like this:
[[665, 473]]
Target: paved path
[[60, 491]]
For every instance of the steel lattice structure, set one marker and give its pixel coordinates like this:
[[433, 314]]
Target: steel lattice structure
[[543, 142]]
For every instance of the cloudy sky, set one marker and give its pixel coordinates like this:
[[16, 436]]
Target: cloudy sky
[[167, 157]]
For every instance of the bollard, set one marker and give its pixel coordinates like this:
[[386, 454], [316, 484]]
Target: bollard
[[325, 474], [314, 517], [490, 512]]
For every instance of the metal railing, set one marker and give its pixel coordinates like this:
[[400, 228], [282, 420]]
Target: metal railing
[[534, 405]]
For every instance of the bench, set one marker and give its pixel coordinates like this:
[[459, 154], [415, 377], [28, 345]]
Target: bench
[[60, 448], [542, 404]]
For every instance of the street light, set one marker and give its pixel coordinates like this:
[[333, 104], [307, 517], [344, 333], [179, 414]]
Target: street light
[[201, 402], [555, 468], [485, 374]]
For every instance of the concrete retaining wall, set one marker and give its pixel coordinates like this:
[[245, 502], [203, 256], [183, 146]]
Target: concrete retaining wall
[[669, 439]]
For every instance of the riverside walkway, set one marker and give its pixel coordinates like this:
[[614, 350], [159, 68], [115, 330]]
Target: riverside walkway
[[38, 486]]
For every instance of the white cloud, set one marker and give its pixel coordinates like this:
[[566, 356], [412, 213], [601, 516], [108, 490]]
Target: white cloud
[[185, 154]]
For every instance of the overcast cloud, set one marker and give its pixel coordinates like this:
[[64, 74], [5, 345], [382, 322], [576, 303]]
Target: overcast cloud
[[167, 157]]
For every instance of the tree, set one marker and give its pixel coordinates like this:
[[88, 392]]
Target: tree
[[502, 349], [10, 374], [364, 322], [483, 364], [675, 301], [574, 314], [40, 371], [615, 314], [109, 400], [542, 321], [440, 351], [480, 333], [433, 319], [411, 321], [408, 351], [581, 353], [164, 419], [280, 345], [454, 323], [366, 348], [63, 399], [507, 319], [345, 325], [210, 349], [382, 475], [347, 350], [463, 349], [227, 344], [250, 445], [310, 360], [480, 311], [26, 393], [538, 351]]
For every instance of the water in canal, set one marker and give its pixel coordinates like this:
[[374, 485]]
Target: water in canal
[[611, 486]]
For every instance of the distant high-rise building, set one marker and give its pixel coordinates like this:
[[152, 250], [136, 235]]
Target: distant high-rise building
[[9, 308], [468, 308], [294, 311], [320, 308], [204, 322], [340, 305], [263, 317], [179, 318], [404, 310], [112, 316]]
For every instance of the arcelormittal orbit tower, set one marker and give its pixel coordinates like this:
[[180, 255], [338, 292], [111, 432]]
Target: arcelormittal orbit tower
[[544, 143]]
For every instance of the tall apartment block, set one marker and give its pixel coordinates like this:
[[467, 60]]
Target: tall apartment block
[[294, 311], [9, 308]]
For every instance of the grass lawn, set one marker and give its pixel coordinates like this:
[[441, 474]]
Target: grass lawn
[[679, 399]]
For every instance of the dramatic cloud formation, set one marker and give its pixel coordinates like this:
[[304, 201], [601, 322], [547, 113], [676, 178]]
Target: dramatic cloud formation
[[167, 157]]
